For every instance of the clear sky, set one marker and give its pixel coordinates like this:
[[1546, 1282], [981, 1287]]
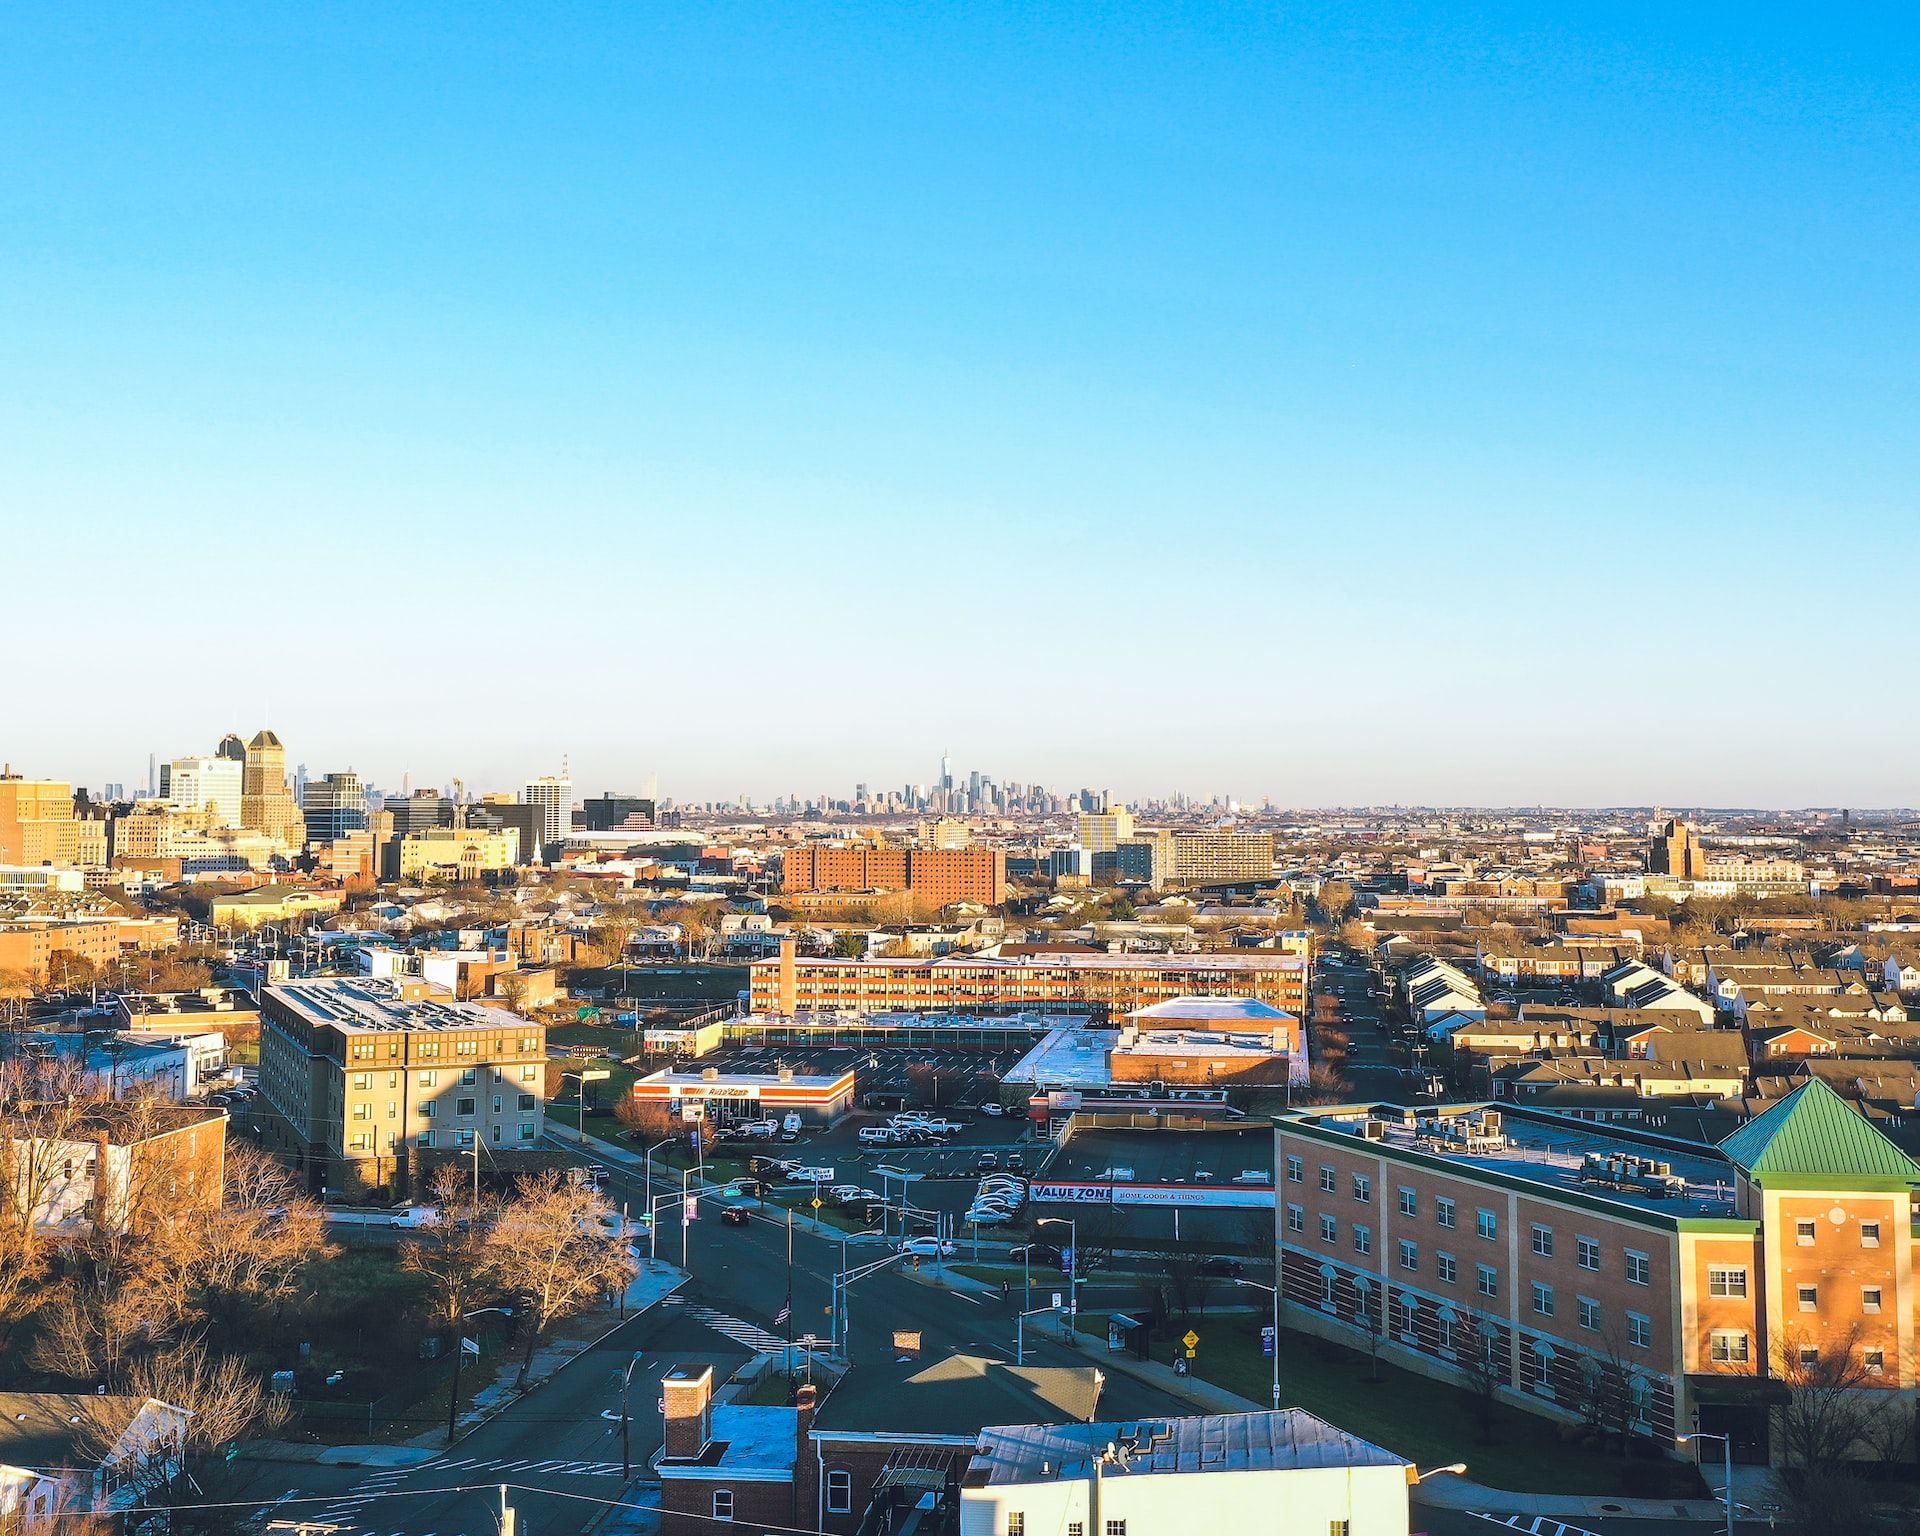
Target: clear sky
[[1340, 404]]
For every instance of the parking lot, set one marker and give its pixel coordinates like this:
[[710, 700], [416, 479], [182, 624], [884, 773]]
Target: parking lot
[[931, 1078]]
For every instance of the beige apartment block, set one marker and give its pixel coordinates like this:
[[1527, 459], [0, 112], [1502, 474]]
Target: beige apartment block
[[359, 1077]]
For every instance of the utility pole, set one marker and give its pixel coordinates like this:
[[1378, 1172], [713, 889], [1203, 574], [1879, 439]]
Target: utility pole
[[506, 1514]]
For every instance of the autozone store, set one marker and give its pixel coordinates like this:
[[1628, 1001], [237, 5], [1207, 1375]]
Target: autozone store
[[727, 1098]]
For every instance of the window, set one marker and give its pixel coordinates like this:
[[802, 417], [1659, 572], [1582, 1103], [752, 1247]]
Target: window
[[429, 1079], [393, 1109], [1339, 1528], [1409, 1255], [1543, 1299], [466, 1047], [1726, 1280], [1443, 1332], [1296, 1170], [1443, 1211], [1489, 1284], [1489, 1225], [1809, 1354], [426, 1138], [466, 1078], [1445, 1268], [362, 1141], [526, 1101], [496, 1135], [1116, 1528], [1016, 1523], [1326, 1178], [363, 1111], [1869, 1234], [1329, 1230], [839, 1492], [1639, 1270], [1409, 1202], [1875, 1361], [1543, 1241], [1076, 1528], [1588, 1253], [1803, 1231], [1362, 1239], [529, 1043], [1296, 1219], [1809, 1298], [1363, 1189], [1409, 1315], [723, 1503], [1870, 1298], [529, 1074], [1639, 1330], [463, 1107], [1728, 1346], [362, 1050], [362, 1080], [1589, 1313], [526, 1130], [1543, 1369], [429, 1109], [496, 1103]]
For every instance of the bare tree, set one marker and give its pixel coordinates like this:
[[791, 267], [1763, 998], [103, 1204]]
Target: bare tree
[[450, 1251], [1828, 1409], [16, 993], [1480, 1363], [557, 1247]]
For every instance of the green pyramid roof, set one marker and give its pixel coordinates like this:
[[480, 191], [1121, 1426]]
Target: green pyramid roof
[[1814, 1133]]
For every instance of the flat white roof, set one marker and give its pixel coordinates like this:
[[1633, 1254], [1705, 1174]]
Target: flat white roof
[[1290, 1440], [1247, 1010]]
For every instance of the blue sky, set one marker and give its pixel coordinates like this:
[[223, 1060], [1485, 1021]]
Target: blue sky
[[1331, 404]]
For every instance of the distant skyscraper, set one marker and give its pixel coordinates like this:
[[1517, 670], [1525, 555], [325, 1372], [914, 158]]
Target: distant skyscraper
[[946, 771], [334, 806], [212, 786], [554, 796], [265, 803], [231, 746]]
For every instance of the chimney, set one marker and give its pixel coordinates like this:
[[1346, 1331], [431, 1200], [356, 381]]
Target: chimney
[[687, 1395], [806, 1461]]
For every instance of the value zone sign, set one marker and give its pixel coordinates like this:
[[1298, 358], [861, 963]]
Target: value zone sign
[[1208, 1196]]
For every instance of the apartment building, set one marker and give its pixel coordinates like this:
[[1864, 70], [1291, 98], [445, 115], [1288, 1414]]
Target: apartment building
[[110, 1165], [360, 1075], [37, 825], [938, 876], [1222, 858], [29, 944], [1097, 986], [1678, 1276], [459, 853]]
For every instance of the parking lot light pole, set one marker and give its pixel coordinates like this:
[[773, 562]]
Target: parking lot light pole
[[649, 1162]]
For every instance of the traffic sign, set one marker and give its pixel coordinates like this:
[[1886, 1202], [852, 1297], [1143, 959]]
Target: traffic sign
[[595, 1075], [1266, 1341], [1190, 1338], [816, 1202]]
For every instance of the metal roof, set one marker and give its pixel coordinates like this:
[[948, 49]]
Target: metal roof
[[1813, 1131], [1289, 1440]]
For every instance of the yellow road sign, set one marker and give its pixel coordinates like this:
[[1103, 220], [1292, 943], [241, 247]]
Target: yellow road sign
[[1190, 1340], [816, 1202]]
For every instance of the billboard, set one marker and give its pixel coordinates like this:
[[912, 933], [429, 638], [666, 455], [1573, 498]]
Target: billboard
[[1244, 1197]]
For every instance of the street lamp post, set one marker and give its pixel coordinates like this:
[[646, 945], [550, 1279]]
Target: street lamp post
[[1274, 1290], [1072, 1224], [1726, 1446], [653, 1242], [1020, 1332], [626, 1450], [459, 1360]]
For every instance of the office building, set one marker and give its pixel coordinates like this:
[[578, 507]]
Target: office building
[[1103, 831], [37, 825], [1676, 1278], [358, 1077], [457, 853], [554, 797], [208, 789], [608, 811], [334, 806], [418, 811], [266, 804], [1094, 986]]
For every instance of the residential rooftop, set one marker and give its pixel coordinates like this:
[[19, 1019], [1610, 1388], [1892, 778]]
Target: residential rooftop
[[1289, 1440], [363, 1005]]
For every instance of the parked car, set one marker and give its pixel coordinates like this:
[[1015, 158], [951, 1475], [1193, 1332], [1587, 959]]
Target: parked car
[[987, 1160], [928, 1247], [1036, 1253], [988, 1216], [992, 1108], [1223, 1269], [875, 1136], [1016, 1162]]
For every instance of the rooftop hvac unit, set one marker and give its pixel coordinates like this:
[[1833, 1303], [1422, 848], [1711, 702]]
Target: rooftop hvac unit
[[1374, 1130], [786, 1074], [711, 1074]]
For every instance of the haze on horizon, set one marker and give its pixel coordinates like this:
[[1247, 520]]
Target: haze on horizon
[[1416, 408]]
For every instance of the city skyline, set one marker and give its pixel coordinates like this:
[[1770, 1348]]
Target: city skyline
[[1462, 409]]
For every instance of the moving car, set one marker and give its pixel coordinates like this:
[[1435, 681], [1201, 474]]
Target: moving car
[[1224, 1269], [1036, 1253], [988, 1216], [734, 1216], [928, 1247]]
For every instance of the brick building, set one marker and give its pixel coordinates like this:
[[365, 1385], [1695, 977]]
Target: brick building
[[1680, 1277], [1093, 985], [938, 876]]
